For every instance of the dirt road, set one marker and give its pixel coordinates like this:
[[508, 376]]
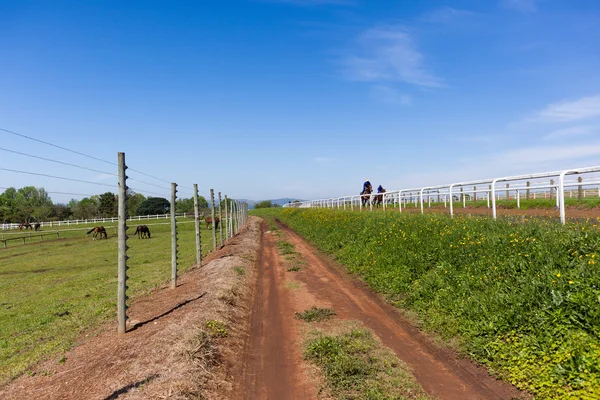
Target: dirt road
[[274, 367]]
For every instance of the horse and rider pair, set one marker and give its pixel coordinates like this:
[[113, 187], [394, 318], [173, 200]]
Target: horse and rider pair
[[366, 194]]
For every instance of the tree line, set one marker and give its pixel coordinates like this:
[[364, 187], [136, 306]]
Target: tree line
[[34, 204]]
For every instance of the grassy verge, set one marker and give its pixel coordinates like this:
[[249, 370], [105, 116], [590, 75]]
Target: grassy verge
[[52, 291], [356, 366], [315, 314], [524, 299]]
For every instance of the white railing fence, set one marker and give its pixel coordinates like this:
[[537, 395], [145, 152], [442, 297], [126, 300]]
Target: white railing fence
[[51, 224], [553, 185]]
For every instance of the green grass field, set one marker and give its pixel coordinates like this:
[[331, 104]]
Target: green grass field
[[52, 291], [521, 298]]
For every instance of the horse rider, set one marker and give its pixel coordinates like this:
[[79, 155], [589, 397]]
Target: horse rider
[[366, 185], [380, 189]]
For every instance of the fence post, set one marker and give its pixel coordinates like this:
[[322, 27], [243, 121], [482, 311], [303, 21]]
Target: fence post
[[122, 247], [551, 188], [212, 208], [226, 219], [474, 194], [197, 225], [220, 221], [507, 192], [173, 236], [580, 189]]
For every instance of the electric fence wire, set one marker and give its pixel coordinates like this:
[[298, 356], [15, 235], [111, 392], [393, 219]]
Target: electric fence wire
[[56, 177], [84, 155], [52, 192]]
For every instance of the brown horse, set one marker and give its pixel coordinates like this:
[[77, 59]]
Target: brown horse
[[378, 199], [25, 225], [98, 230], [37, 226], [142, 231], [209, 221], [366, 195]]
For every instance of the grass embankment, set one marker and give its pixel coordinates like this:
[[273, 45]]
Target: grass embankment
[[524, 299], [53, 291]]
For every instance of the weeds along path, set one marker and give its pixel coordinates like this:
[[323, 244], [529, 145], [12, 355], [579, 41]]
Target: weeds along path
[[438, 371], [273, 363]]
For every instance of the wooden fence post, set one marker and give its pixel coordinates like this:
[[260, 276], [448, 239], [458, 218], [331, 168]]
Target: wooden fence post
[[580, 189], [173, 236], [220, 221], [122, 247], [197, 226], [214, 227]]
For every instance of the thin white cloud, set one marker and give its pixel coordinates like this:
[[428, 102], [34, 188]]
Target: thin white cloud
[[389, 54], [389, 95], [570, 132], [566, 111], [524, 6]]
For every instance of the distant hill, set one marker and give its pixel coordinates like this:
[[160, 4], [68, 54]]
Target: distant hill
[[281, 202]]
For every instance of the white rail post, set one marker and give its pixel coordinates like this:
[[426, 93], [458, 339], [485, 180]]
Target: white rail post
[[494, 197], [451, 200]]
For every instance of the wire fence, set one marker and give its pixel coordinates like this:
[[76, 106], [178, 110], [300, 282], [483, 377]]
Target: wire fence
[[229, 216]]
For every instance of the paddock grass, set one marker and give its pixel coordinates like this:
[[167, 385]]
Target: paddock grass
[[53, 291]]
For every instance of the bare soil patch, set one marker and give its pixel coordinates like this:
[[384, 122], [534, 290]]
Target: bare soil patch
[[169, 350]]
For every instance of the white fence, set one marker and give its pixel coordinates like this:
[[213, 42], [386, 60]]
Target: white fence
[[51, 224], [546, 184]]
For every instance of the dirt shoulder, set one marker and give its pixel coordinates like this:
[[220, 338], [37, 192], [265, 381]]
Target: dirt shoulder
[[181, 343]]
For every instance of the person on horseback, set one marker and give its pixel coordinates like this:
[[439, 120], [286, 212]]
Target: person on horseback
[[367, 188], [380, 189]]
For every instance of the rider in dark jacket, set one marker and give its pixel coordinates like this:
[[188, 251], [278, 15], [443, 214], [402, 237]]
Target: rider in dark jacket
[[366, 185]]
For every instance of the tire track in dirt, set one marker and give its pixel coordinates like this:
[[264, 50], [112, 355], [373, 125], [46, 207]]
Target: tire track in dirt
[[273, 363], [438, 371]]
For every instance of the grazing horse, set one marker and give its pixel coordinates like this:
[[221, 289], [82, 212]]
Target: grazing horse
[[378, 199], [209, 221], [142, 231], [98, 230], [366, 195], [25, 225], [37, 226]]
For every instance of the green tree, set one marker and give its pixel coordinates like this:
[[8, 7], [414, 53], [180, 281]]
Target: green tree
[[264, 204], [154, 205], [108, 205], [86, 208], [8, 205], [133, 202], [32, 204]]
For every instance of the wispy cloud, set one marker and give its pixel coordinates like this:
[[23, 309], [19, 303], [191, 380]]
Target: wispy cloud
[[389, 54], [524, 6], [570, 132], [389, 95], [445, 15], [565, 111]]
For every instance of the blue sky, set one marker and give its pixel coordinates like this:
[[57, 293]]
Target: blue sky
[[298, 98]]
